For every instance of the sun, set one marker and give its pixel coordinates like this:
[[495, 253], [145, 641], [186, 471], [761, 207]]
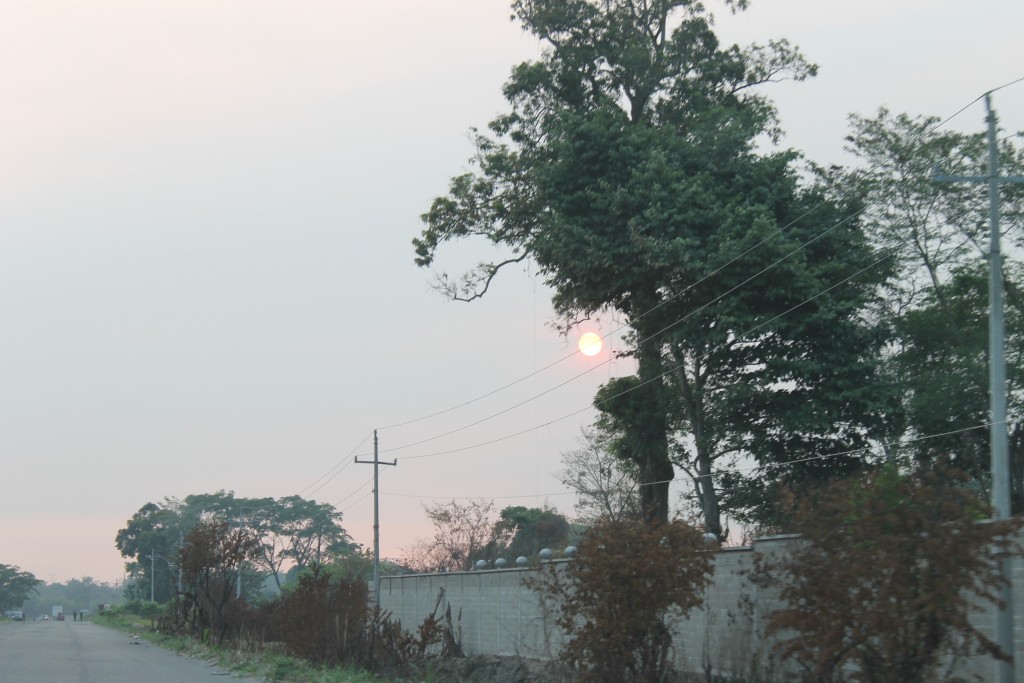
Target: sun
[[590, 344]]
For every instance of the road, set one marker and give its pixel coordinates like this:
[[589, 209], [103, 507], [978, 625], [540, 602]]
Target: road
[[82, 652]]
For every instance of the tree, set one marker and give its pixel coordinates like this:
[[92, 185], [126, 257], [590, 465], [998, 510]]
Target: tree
[[15, 586], [615, 601], [880, 587], [150, 539], [523, 531], [462, 534], [628, 171], [211, 560], [298, 530], [605, 489], [937, 304], [290, 530]]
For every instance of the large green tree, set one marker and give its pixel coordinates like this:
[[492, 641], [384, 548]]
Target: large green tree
[[628, 169], [149, 543], [523, 531], [294, 529]]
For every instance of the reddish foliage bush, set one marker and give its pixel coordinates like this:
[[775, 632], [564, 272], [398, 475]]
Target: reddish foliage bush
[[323, 620], [881, 586], [617, 600]]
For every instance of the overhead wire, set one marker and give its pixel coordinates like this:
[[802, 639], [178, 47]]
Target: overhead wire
[[668, 300], [778, 231], [898, 444], [339, 466], [825, 456], [652, 379], [357, 490], [648, 312], [649, 337]]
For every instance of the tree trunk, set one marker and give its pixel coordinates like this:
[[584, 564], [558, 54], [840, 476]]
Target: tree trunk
[[656, 469]]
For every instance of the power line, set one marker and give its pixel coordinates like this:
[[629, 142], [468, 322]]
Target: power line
[[840, 223], [671, 298], [340, 466], [651, 336], [653, 379], [529, 495], [1004, 85], [826, 456], [352, 505], [357, 490]]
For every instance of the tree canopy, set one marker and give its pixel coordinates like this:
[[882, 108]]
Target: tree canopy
[[936, 306], [289, 531], [15, 586], [465, 533], [629, 170]]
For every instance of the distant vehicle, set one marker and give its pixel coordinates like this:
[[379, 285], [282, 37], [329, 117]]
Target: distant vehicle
[[58, 612], [15, 615]]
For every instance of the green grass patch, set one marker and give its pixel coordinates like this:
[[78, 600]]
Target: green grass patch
[[274, 668]]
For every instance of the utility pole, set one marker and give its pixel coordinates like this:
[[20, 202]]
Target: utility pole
[[181, 549], [238, 584], [997, 377], [376, 462]]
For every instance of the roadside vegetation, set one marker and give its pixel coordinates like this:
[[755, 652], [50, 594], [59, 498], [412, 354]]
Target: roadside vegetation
[[140, 619]]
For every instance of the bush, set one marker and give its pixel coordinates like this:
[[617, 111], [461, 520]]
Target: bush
[[881, 586], [616, 601]]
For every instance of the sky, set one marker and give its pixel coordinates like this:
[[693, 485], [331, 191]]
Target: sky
[[206, 270]]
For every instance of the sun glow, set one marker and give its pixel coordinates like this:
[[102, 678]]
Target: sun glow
[[590, 344]]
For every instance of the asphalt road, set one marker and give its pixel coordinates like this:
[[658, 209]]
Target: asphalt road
[[82, 652]]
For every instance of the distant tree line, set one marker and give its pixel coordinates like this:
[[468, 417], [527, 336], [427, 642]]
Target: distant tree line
[[281, 536], [75, 595]]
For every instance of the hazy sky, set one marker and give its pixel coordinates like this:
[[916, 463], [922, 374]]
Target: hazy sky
[[206, 276]]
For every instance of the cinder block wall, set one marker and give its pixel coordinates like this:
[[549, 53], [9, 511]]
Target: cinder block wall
[[499, 614]]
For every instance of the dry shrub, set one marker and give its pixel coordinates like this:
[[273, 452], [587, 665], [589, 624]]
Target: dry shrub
[[329, 621], [616, 601], [323, 620], [881, 586]]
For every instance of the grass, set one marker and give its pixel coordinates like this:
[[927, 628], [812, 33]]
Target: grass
[[271, 667]]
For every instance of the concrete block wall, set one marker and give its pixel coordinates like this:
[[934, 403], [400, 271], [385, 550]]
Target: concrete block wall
[[500, 614]]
